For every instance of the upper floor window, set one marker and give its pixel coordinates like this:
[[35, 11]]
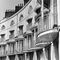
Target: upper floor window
[[11, 34], [21, 30], [29, 21], [39, 1], [12, 23], [30, 9], [20, 45], [3, 27], [21, 17], [47, 3], [2, 37], [46, 22], [38, 10]]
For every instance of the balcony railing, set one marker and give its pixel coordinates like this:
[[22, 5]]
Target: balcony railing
[[29, 26], [11, 36], [2, 39], [20, 32]]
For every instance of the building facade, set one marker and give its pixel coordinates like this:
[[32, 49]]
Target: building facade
[[32, 33]]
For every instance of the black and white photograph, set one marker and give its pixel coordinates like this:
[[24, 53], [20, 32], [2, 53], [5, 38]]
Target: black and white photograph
[[29, 29]]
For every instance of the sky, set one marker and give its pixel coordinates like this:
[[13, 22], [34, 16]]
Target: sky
[[7, 4]]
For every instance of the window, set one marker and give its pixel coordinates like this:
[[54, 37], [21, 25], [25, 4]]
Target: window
[[33, 33], [21, 30], [0, 49], [39, 1], [38, 10], [2, 37], [20, 45], [29, 41], [29, 21], [55, 26], [30, 9], [46, 22], [47, 3], [12, 23], [12, 47], [4, 47], [3, 27], [11, 34], [21, 17]]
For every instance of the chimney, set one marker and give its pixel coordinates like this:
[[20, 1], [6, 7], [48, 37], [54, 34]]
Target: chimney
[[17, 8], [9, 13], [25, 1]]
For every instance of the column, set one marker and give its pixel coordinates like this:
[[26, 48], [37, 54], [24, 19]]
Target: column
[[59, 45], [16, 57], [58, 12], [35, 56], [7, 58], [42, 14], [51, 20], [55, 11], [52, 52], [44, 54], [25, 56]]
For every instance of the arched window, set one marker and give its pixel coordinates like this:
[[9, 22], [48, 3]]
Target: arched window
[[3, 27], [30, 9], [21, 17], [12, 23]]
